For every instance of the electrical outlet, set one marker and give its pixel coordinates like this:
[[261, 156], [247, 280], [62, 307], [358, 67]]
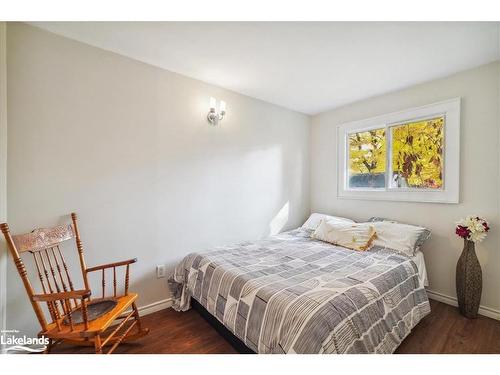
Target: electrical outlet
[[160, 271]]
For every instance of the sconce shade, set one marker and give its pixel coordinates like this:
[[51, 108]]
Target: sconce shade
[[213, 116], [212, 103]]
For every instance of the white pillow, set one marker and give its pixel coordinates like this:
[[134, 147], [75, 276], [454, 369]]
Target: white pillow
[[426, 234], [351, 235], [397, 236], [313, 222]]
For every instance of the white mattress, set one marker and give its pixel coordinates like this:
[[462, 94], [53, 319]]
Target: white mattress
[[419, 260]]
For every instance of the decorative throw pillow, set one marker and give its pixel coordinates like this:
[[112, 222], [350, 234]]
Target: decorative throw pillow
[[313, 222], [424, 235], [351, 235], [397, 236]]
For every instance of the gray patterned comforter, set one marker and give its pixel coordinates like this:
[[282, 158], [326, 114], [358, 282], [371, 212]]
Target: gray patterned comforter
[[293, 294]]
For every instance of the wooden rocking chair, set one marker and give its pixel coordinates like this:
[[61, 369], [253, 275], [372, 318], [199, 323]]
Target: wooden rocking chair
[[75, 317]]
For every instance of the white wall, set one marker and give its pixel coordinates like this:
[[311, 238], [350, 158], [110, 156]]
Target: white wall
[[128, 147], [3, 172], [479, 187]]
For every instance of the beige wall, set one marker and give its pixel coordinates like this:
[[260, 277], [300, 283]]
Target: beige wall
[[128, 147], [3, 172], [479, 169]]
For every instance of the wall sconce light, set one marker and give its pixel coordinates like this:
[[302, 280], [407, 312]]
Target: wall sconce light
[[213, 117]]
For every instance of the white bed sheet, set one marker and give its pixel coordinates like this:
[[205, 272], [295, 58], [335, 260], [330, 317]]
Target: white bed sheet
[[419, 260]]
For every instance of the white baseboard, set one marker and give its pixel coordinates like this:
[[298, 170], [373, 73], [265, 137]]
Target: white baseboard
[[149, 309], [155, 306], [483, 310]]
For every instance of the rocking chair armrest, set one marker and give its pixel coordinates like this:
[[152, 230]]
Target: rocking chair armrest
[[74, 294], [111, 265]]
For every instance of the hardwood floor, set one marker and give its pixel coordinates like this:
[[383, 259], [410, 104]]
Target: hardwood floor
[[443, 331]]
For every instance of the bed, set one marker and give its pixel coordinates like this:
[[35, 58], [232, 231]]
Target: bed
[[290, 293]]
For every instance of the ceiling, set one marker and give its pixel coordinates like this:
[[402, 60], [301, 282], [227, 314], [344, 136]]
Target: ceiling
[[308, 67]]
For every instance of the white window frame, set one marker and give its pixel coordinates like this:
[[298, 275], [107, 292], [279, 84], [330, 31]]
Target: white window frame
[[450, 191]]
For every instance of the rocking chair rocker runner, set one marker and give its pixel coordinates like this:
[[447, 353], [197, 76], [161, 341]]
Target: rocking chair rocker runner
[[75, 317]]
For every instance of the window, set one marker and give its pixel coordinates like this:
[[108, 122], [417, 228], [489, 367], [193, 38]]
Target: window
[[417, 154], [367, 156], [412, 155]]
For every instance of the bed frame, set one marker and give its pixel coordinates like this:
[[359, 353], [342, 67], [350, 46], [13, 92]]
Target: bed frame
[[235, 342]]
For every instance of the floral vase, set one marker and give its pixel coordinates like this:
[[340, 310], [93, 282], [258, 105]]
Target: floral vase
[[469, 281]]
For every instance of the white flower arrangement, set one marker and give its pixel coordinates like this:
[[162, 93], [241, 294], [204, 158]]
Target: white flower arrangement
[[472, 228]]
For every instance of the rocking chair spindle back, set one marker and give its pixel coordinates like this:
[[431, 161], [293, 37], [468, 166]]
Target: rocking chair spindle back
[[74, 316]]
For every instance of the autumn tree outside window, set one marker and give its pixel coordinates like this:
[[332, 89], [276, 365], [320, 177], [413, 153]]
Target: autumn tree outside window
[[401, 156]]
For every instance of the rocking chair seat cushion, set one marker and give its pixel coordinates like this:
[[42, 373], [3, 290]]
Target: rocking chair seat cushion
[[95, 309], [96, 326]]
